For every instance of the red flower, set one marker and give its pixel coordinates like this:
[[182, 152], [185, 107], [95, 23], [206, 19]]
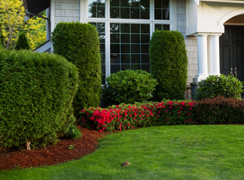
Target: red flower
[[128, 124], [100, 130]]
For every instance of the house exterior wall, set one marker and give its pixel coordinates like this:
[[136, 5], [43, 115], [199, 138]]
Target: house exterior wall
[[66, 11]]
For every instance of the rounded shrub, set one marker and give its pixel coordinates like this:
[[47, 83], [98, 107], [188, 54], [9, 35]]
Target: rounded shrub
[[79, 44], [129, 86], [168, 60], [22, 42], [214, 86], [36, 96]]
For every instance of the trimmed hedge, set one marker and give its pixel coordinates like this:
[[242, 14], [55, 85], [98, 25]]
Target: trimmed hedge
[[220, 110], [36, 95], [169, 62], [129, 86], [214, 86], [129, 116], [79, 44]]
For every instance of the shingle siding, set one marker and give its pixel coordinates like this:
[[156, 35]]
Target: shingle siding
[[67, 11]]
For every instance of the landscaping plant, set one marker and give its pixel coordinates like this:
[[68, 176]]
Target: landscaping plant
[[220, 110], [36, 96], [22, 42], [214, 86], [129, 86], [169, 62], [129, 116], [79, 44]]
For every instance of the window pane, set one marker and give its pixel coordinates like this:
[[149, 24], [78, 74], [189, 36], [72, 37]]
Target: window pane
[[161, 27], [161, 9], [96, 8], [130, 9], [129, 46]]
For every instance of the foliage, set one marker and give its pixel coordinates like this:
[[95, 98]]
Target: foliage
[[214, 86], [22, 42], [1, 36], [169, 62], [36, 95], [220, 110], [79, 44], [128, 116], [12, 17], [73, 132], [129, 86]]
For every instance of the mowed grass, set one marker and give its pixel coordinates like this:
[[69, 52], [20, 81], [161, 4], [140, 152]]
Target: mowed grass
[[166, 152]]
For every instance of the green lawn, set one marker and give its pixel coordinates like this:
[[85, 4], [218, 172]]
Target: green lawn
[[167, 152]]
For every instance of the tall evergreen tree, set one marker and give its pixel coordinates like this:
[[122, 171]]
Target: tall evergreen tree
[[22, 42]]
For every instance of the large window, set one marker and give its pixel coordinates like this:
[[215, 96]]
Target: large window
[[129, 45], [127, 26]]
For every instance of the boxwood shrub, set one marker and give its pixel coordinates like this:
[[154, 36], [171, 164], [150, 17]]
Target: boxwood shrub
[[36, 95], [214, 86], [129, 86], [169, 62], [79, 44]]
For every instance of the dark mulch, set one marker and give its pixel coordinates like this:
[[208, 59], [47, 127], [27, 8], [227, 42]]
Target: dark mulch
[[52, 154]]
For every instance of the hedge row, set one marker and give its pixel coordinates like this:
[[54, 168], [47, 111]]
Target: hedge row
[[126, 116], [36, 96], [129, 116]]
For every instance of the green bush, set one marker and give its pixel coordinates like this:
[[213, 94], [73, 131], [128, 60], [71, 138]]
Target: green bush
[[73, 132], [129, 86], [214, 86], [220, 110], [169, 62], [22, 42], [1, 36], [79, 44], [36, 95]]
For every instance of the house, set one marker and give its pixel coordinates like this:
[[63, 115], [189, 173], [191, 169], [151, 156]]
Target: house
[[213, 31]]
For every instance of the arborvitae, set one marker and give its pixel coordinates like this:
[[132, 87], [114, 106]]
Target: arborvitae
[[79, 44], [22, 42], [169, 62]]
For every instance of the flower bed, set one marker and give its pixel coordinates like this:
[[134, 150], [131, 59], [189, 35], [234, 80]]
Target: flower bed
[[129, 116]]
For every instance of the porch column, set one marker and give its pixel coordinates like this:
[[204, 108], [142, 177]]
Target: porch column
[[214, 61], [202, 48]]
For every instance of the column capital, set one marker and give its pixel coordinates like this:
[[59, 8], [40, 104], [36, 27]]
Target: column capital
[[201, 34], [215, 34]]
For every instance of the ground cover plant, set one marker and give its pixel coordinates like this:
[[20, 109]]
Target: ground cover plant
[[165, 152], [79, 44], [36, 95], [129, 86], [129, 116]]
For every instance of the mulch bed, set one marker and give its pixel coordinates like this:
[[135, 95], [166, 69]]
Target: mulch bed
[[52, 154]]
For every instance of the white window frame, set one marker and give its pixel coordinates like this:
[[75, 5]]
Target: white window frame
[[172, 22]]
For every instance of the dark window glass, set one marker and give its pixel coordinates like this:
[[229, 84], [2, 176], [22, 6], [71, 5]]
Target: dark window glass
[[96, 8], [161, 9]]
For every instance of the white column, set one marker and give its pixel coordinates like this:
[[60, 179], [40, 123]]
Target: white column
[[214, 61], [202, 48]]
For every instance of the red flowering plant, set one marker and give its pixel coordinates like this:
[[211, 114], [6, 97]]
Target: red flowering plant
[[129, 116]]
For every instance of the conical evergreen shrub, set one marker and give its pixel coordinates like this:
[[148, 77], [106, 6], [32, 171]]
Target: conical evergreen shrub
[[22, 42]]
